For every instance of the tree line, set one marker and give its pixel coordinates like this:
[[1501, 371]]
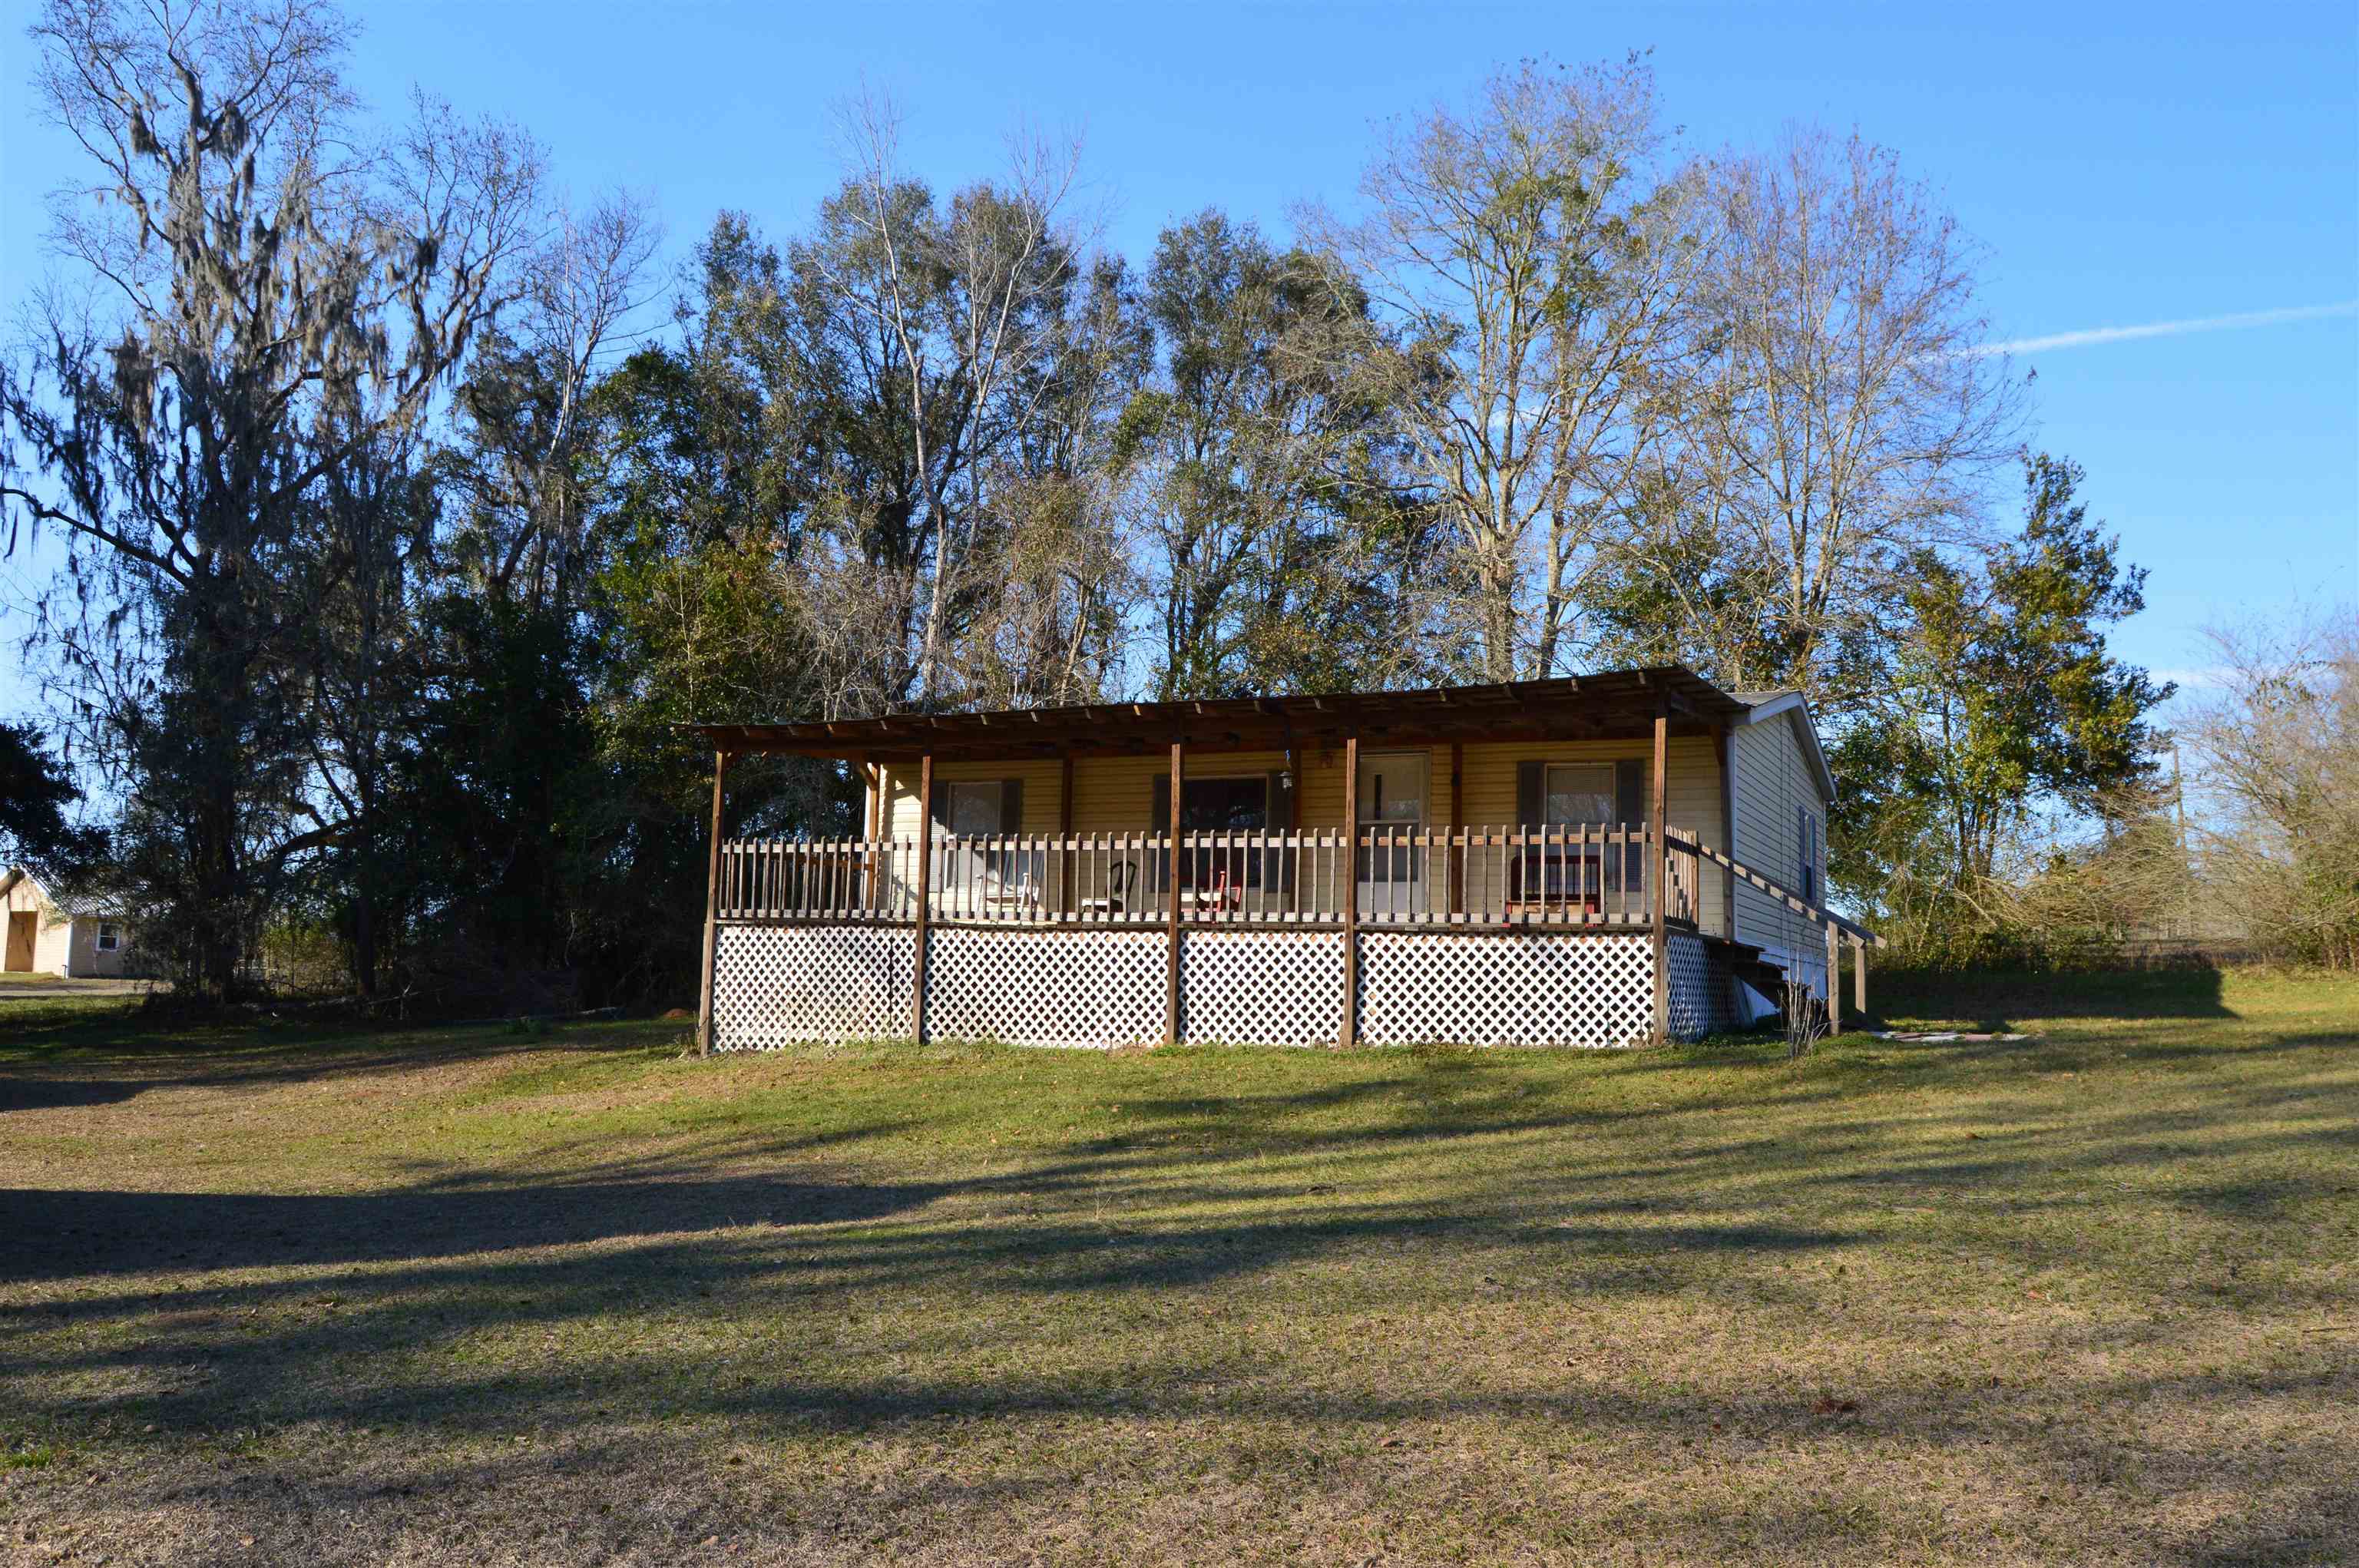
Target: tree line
[[406, 504]]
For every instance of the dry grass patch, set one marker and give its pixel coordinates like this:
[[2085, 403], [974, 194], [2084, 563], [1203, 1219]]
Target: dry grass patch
[[454, 1297]]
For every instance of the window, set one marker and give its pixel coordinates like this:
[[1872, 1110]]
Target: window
[[1590, 795], [1236, 804], [972, 811], [1219, 805], [1807, 837], [1394, 788], [1578, 793], [110, 936], [983, 809]]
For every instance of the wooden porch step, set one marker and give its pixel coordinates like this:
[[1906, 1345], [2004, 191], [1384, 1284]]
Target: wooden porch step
[[1750, 965]]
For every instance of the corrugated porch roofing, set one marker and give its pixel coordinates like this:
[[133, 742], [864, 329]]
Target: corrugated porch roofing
[[1615, 704]]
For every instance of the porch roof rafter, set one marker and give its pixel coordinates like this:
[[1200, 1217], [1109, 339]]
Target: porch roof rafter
[[1618, 704]]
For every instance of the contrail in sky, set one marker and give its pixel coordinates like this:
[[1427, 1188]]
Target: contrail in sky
[[2168, 329]]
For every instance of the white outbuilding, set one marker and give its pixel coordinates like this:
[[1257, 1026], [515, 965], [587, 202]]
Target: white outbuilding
[[61, 931]]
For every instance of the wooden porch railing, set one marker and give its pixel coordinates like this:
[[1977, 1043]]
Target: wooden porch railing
[[818, 879], [1604, 875], [1839, 932], [1596, 875]]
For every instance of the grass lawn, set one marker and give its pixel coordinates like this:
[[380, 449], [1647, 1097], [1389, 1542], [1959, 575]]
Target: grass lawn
[[461, 1297]]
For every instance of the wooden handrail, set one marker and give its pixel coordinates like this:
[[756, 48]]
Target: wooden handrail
[[1587, 875], [1792, 899]]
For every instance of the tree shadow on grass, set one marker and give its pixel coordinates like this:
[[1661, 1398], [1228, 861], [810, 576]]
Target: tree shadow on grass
[[1995, 1000], [47, 1093], [641, 1290], [48, 1234], [1098, 1215], [730, 1348], [674, 1290], [2190, 1052], [142, 1056]]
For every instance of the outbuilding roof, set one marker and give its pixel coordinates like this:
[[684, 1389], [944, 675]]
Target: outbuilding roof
[[1610, 705], [77, 903]]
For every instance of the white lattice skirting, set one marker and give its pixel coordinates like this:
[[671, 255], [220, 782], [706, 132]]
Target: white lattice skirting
[[1045, 987], [1704, 998], [1470, 989], [776, 985], [1261, 987]]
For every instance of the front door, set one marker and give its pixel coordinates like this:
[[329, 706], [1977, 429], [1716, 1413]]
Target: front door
[[21, 925], [1394, 790]]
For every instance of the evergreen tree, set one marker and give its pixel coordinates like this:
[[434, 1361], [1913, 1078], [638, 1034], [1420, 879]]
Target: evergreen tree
[[2001, 703]]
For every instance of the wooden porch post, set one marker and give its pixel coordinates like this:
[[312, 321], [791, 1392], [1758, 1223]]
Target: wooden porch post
[[1066, 898], [1171, 927], [925, 895], [1859, 977], [1453, 864], [1302, 863], [873, 773], [711, 912], [1659, 851], [1350, 1034], [1835, 978]]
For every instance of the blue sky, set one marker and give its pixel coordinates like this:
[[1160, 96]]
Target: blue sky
[[2120, 165]]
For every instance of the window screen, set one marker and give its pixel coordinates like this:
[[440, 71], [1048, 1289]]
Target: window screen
[[1578, 792], [1217, 805]]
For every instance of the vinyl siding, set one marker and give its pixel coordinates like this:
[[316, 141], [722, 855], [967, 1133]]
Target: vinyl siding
[[906, 812], [1111, 794], [1772, 781], [1116, 794], [1692, 798], [58, 952]]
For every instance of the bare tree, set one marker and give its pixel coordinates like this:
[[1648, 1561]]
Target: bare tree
[[2273, 776], [1836, 411], [1530, 258], [527, 386], [377, 533], [523, 402], [1802, 1014], [1054, 625], [961, 301]]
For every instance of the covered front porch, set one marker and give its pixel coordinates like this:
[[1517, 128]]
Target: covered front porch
[[1543, 863]]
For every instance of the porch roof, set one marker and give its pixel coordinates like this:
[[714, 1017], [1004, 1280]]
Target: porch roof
[[1614, 705]]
